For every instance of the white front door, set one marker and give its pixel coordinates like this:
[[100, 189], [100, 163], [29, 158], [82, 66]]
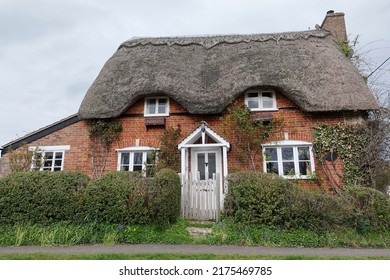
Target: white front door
[[206, 163]]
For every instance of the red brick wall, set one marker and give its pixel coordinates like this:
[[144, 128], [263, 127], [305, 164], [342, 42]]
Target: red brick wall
[[296, 124], [75, 135]]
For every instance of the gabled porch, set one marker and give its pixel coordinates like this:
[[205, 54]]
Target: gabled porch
[[204, 166]]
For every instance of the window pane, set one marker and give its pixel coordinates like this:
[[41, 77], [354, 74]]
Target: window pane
[[304, 168], [137, 158], [148, 157], [124, 168], [125, 158], [253, 104], [137, 168], [267, 95], [58, 163], [47, 164], [267, 100], [252, 95], [267, 104], [162, 105], [58, 155], [137, 162], [201, 166], [57, 168], [288, 168], [272, 167], [49, 155], [162, 109], [303, 153], [151, 106], [211, 165], [287, 153], [149, 168], [271, 154]]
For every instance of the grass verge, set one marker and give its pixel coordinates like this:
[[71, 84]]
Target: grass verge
[[66, 234]]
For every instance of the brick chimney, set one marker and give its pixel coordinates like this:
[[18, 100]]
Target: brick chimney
[[335, 23]]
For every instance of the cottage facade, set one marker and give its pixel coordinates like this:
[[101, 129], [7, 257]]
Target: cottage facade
[[149, 84]]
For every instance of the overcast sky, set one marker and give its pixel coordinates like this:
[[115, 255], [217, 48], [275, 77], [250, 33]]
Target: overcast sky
[[52, 50]]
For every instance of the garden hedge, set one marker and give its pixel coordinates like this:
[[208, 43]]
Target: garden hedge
[[41, 197], [267, 199], [130, 198], [371, 208], [120, 198], [258, 198]]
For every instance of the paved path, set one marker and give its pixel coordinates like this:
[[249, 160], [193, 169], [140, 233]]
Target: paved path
[[195, 249]]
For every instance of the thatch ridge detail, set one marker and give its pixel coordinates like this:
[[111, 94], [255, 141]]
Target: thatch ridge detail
[[210, 41]]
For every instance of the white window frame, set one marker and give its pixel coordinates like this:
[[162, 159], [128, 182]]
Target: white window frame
[[260, 100], [48, 149], [290, 144], [157, 98], [131, 150]]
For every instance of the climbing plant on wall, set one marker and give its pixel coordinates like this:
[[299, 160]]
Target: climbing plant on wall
[[249, 135], [22, 159], [353, 144], [168, 155], [102, 134]]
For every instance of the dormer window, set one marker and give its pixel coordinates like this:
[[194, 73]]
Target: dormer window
[[261, 100], [156, 106]]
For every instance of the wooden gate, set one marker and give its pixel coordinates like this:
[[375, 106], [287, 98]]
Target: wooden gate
[[200, 199]]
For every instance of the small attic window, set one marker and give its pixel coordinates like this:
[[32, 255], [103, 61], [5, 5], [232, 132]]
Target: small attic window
[[261, 100], [156, 106]]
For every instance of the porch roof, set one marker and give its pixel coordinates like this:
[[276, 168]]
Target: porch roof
[[202, 131]]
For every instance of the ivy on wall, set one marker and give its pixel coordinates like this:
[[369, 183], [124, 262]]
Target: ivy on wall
[[349, 144]]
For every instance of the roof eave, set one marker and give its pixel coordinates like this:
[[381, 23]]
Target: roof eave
[[42, 132]]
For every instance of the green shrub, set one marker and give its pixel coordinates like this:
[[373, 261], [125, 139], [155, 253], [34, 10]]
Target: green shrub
[[130, 198], [106, 199], [316, 211], [382, 179], [258, 198], [267, 199], [166, 203], [371, 209], [41, 197]]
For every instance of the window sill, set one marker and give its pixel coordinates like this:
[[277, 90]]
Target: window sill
[[298, 177], [264, 110], [155, 115]]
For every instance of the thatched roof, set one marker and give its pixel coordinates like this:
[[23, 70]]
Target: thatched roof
[[204, 74]]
